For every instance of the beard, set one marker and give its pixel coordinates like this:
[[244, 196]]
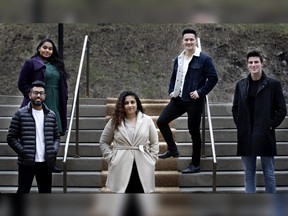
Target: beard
[[36, 103]]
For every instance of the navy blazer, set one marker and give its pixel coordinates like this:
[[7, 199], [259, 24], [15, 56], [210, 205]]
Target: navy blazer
[[201, 76], [270, 111]]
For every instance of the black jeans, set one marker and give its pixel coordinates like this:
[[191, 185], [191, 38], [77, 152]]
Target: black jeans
[[175, 109], [41, 171]]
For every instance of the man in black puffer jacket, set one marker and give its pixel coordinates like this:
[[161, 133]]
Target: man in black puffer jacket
[[33, 135]]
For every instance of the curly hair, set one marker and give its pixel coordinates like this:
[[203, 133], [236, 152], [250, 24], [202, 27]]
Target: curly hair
[[55, 58], [119, 112]]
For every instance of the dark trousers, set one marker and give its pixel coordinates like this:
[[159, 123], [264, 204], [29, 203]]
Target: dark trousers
[[175, 109], [134, 185], [43, 175]]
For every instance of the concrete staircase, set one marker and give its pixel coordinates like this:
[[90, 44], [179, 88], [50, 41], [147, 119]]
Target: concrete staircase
[[87, 173]]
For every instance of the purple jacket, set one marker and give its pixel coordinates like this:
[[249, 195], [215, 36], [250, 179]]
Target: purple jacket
[[34, 69]]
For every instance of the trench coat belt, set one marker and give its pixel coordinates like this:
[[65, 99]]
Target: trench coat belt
[[140, 147]]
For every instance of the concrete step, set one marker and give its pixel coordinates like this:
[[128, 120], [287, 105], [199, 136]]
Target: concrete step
[[84, 110], [230, 163], [222, 109], [17, 100], [225, 135], [90, 123], [158, 190], [221, 148], [73, 164], [86, 190], [86, 136], [228, 190], [74, 179], [218, 122], [226, 179], [216, 109], [85, 150], [170, 164]]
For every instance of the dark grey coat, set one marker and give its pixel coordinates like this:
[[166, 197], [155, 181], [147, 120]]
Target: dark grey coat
[[270, 111], [22, 135]]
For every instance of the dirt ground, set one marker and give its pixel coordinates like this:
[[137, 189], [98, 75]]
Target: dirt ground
[[139, 57]]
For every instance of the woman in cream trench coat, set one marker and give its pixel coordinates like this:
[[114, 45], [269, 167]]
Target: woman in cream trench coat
[[121, 150]]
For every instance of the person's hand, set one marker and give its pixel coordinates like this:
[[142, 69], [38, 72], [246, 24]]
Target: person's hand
[[194, 95]]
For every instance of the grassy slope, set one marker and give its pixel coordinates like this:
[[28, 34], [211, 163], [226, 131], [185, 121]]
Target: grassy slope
[[139, 57]]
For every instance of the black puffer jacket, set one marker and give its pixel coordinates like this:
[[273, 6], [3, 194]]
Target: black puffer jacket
[[22, 136]]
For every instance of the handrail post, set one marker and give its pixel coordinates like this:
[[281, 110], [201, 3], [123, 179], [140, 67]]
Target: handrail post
[[212, 145], [87, 68], [77, 128], [64, 177], [214, 177], [203, 131]]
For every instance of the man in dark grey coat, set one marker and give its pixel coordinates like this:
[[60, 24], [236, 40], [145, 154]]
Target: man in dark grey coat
[[258, 108], [33, 135]]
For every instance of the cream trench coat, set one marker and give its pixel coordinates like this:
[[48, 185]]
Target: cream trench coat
[[120, 152]]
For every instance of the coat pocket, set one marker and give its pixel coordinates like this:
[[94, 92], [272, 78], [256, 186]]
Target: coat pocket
[[150, 158]]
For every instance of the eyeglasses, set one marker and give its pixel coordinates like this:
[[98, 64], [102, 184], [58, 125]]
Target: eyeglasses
[[42, 93]]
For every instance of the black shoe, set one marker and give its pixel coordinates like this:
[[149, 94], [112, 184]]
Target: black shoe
[[167, 154], [56, 169], [191, 169]]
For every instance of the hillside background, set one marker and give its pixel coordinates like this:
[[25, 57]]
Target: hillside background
[[139, 57]]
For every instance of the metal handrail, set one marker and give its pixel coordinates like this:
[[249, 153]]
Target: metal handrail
[[75, 100], [211, 135], [212, 144]]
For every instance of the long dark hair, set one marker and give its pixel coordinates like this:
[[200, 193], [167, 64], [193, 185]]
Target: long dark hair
[[119, 112], [55, 59]]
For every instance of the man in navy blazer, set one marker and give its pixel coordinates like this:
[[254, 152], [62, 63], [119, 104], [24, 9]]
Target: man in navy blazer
[[193, 77]]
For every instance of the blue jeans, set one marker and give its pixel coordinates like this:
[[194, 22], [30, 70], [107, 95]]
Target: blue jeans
[[249, 164]]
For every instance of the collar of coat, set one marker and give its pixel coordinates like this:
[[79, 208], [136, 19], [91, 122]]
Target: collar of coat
[[38, 63], [196, 53], [263, 81], [263, 78], [45, 108]]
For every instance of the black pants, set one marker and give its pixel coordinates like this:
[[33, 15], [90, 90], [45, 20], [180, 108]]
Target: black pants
[[43, 176], [134, 185], [175, 109]]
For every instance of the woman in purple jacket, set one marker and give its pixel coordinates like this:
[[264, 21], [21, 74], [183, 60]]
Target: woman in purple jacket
[[47, 65]]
